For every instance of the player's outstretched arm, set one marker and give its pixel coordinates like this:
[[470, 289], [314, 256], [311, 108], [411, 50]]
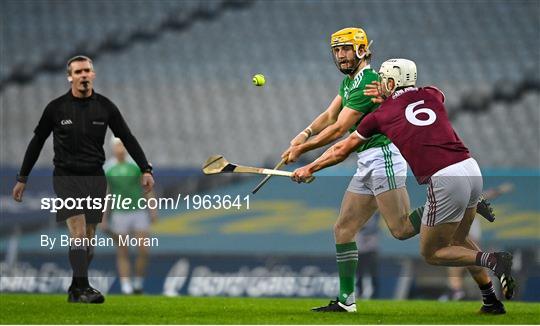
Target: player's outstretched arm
[[328, 117], [332, 156], [346, 120], [325, 119]]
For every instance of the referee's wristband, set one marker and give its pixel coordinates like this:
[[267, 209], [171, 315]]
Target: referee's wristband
[[21, 178], [147, 169]]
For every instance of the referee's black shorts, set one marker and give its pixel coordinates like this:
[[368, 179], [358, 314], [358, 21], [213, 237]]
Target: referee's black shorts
[[68, 184]]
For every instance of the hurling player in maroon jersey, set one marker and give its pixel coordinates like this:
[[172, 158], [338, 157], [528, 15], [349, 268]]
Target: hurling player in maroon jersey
[[415, 120]]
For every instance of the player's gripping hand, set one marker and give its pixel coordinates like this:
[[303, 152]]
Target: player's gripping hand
[[18, 191], [375, 90], [147, 182], [285, 155], [301, 138], [301, 174], [292, 154], [298, 140]]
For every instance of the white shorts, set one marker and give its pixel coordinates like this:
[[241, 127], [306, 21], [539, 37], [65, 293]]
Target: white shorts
[[451, 191], [379, 169], [124, 222]]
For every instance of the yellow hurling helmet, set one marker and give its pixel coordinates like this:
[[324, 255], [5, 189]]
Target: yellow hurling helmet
[[351, 36], [357, 38]]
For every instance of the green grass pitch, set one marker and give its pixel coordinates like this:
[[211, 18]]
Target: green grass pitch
[[53, 309]]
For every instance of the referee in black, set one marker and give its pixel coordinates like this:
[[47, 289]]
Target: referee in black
[[78, 121]]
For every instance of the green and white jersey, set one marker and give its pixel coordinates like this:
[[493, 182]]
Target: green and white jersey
[[352, 96], [125, 179]]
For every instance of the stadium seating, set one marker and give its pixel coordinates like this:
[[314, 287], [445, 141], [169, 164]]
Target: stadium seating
[[61, 27], [504, 134], [188, 94]]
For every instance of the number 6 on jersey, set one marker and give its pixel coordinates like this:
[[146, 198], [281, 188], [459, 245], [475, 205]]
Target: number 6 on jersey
[[411, 115]]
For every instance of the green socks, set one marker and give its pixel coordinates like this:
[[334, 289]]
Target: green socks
[[416, 218], [347, 260]]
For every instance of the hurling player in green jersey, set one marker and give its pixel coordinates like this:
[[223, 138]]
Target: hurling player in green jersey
[[379, 181], [123, 179]]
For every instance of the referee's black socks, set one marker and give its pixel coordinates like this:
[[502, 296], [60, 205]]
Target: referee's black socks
[[89, 254], [78, 258]]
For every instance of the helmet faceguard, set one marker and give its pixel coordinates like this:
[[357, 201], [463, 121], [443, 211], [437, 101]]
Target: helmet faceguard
[[347, 71], [402, 71], [357, 38]]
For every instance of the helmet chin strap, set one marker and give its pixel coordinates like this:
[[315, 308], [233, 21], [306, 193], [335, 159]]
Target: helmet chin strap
[[349, 71], [366, 51]]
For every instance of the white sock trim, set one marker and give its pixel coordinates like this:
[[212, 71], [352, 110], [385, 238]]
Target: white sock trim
[[349, 308]]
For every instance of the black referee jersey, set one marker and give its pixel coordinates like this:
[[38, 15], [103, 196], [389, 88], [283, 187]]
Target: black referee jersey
[[79, 126]]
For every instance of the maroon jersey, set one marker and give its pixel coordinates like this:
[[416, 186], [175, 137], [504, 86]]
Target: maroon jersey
[[415, 120]]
